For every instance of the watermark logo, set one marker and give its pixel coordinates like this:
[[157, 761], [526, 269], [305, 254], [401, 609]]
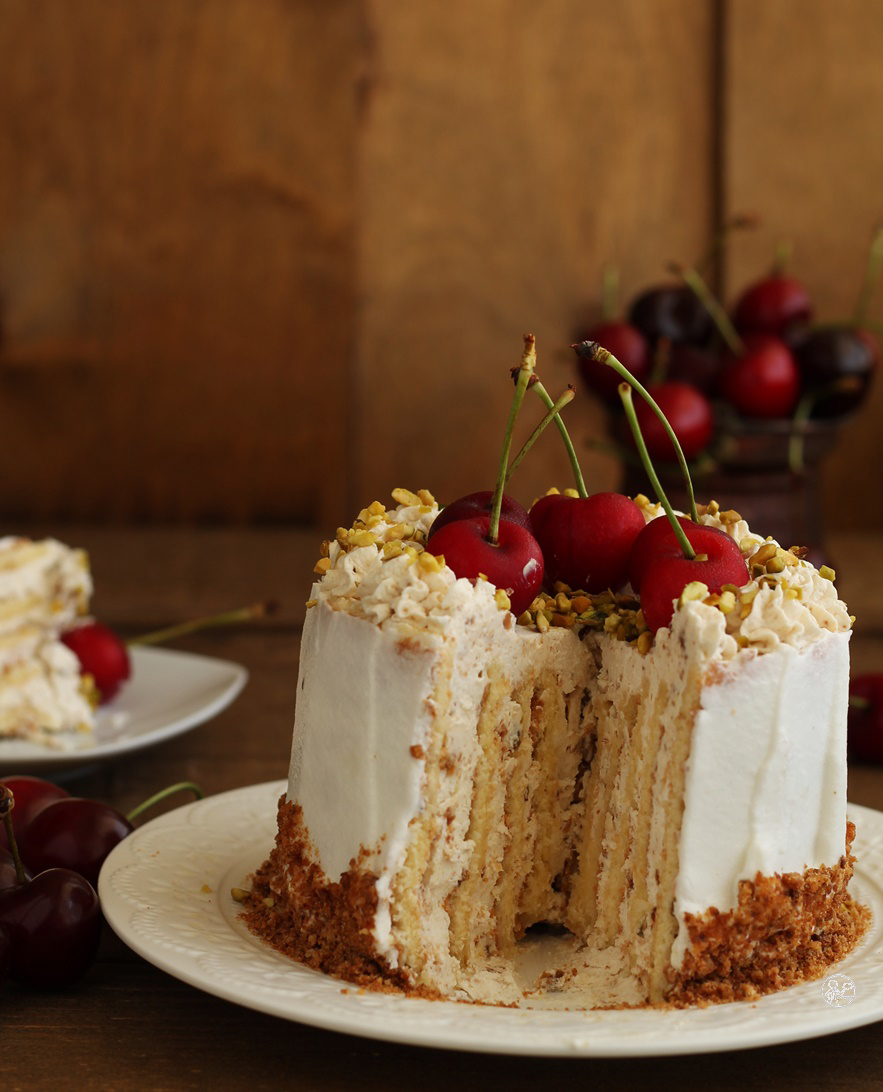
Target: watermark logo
[[838, 990]]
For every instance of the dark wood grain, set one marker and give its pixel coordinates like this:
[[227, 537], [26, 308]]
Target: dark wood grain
[[131, 1026], [176, 257]]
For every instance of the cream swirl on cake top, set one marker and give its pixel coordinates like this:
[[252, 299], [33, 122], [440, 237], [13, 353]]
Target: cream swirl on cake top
[[380, 570]]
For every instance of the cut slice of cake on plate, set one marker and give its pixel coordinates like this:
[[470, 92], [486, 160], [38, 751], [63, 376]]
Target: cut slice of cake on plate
[[45, 588]]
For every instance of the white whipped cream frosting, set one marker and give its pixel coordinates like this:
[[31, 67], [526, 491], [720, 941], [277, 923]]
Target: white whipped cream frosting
[[768, 742], [44, 590], [361, 582], [44, 582]]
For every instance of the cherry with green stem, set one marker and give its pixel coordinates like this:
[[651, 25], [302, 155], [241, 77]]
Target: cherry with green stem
[[78, 833], [51, 922], [759, 376], [503, 552], [594, 351], [585, 539], [776, 304], [104, 655], [670, 554]]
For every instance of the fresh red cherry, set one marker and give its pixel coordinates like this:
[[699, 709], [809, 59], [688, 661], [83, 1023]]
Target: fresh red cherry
[[839, 363], [54, 924], [102, 655], [586, 540], [646, 546], [76, 834], [479, 504], [514, 563], [865, 717], [763, 380], [688, 412], [32, 794], [663, 575], [628, 345], [671, 311], [772, 306]]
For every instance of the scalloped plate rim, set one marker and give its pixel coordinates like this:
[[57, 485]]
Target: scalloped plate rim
[[140, 860]]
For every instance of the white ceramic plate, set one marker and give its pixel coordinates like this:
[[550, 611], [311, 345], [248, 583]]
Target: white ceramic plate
[[166, 891], [169, 693]]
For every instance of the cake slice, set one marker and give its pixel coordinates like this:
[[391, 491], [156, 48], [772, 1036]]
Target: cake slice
[[44, 589], [563, 809]]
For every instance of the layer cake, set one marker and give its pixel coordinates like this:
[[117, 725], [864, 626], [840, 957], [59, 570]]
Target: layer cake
[[563, 809]]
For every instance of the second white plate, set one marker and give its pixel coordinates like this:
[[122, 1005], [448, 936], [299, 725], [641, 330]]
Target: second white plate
[[166, 892], [169, 693]]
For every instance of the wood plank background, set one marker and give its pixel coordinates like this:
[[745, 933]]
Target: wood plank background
[[263, 260]]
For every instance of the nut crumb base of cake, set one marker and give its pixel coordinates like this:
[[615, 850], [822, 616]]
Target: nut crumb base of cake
[[325, 926], [785, 930]]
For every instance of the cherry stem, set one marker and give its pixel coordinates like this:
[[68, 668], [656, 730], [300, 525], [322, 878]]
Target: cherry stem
[[625, 393], [7, 803], [594, 351], [712, 305], [525, 371], [802, 414], [871, 279], [862, 704], [609, 293], [227, 618], [546, 399], [158, 797], [738, 222], [552, 414], [661, 360], [782, 257]]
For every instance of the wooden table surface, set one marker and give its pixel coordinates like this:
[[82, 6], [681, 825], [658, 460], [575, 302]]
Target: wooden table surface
[[128, 1025]]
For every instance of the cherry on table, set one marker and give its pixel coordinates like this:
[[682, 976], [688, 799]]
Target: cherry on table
[[627, 344], [479, 504], [32, 794], [74, 833], [54, 924], [762, 380], [586, 540], [688, 412], [865, 717], [514, 563], [102, 654], [659, 570]]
